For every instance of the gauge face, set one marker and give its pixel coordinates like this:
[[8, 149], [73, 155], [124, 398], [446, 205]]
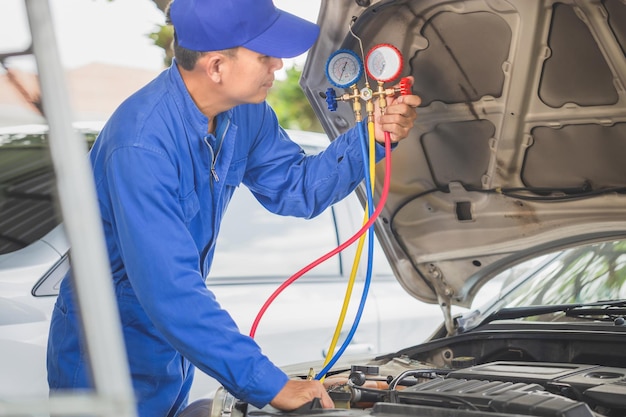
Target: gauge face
[[344, 68], [383, 62]]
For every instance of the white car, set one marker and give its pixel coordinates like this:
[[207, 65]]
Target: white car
[[514, 173], [256, 252]]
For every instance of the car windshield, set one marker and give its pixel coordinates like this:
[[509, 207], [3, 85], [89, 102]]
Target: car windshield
[[589, 274]]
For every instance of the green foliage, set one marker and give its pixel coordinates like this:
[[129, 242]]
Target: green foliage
[[163, 37], [291, 105]]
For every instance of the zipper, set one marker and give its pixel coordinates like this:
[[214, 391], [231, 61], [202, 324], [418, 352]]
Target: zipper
[[214, 155], [213, 172]]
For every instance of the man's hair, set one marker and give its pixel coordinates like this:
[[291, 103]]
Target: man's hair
[[187, 58]]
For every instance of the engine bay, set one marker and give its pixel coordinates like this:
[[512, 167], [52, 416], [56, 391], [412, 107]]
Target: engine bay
[[494, 372], [498, 388]]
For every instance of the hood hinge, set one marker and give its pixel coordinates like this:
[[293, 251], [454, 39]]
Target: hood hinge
[[444, 296]]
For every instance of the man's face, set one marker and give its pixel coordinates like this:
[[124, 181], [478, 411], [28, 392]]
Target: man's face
[[249, 75]]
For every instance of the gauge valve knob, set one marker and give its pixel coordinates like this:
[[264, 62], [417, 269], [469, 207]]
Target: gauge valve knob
[[405, 86], [331, 99]]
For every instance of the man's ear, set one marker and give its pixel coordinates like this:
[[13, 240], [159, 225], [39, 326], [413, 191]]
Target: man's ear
[[214, 65]]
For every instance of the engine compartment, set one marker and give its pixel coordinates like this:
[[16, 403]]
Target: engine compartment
[[498, 388], [497, 371]]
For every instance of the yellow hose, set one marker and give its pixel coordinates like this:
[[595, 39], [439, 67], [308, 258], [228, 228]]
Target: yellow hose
[[357, 257]]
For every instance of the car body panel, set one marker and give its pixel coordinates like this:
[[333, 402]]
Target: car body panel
[[516, 145]]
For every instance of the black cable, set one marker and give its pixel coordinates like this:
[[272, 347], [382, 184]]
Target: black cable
[[430, 373]]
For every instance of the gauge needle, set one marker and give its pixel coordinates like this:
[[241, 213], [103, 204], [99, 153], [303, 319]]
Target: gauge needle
[[343, 69]]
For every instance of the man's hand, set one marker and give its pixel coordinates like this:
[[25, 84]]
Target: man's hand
[[297, 392], [398, 119]]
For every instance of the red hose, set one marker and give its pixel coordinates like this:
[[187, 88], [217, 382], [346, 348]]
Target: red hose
[[364, 228]]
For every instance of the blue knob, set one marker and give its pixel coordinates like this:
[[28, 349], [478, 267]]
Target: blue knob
[[331, 99]]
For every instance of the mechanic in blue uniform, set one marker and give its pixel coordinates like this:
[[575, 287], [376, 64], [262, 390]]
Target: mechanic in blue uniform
[[166, 165]]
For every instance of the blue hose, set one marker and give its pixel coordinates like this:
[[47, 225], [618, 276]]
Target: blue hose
[[368, 277]]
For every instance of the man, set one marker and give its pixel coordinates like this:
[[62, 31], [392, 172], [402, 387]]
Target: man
[[166, 165]]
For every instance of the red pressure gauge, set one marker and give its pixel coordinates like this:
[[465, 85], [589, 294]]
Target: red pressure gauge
[[384, 62]]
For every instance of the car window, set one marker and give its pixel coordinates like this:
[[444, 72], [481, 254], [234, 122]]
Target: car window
[[27, 191], [584, 274], [26, 184], [256, 243]]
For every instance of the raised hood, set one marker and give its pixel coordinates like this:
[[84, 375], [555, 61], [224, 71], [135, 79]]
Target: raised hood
[[520, 142]]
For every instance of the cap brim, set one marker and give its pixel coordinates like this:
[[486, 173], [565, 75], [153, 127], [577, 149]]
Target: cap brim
[[288, 37]]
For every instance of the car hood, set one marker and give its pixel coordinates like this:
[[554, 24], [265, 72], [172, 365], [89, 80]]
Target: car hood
[[520, 139]]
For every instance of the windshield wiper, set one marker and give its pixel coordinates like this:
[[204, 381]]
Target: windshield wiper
[[615, 312], [572, 310]]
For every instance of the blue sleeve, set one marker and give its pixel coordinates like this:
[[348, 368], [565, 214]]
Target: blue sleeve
[[288, 182], [162, 263]]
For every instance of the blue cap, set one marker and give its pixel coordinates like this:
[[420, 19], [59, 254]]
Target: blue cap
[[214, 25]]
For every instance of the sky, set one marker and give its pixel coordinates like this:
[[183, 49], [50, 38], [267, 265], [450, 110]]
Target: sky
[[111, 32]]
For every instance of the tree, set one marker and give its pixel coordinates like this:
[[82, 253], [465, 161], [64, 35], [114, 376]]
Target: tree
[[291, 105]]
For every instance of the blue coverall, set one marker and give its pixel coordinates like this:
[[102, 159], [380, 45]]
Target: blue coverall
[[163, 184]]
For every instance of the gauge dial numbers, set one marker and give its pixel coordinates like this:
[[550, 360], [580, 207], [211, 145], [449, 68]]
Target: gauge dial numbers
[[344, 68], [384, 62]]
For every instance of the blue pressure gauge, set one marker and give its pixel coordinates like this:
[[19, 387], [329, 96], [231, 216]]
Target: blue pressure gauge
[[344, 68]]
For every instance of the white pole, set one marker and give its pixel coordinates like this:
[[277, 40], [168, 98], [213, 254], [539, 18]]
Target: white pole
[[90, 266]]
